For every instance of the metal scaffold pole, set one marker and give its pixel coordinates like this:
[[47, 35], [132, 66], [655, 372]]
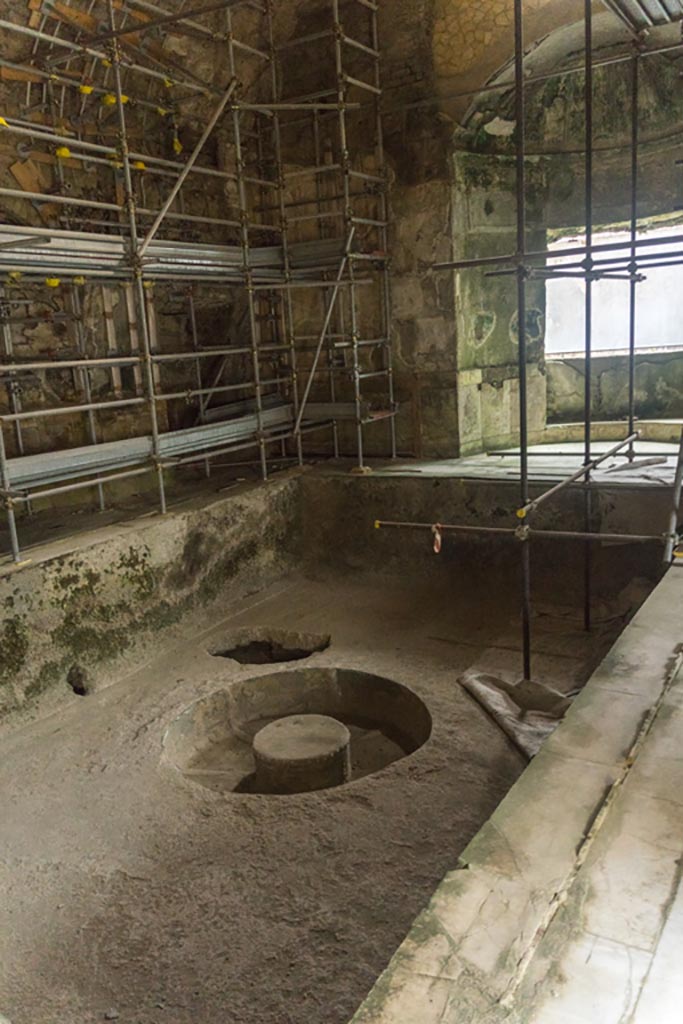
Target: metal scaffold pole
[[81, 73], [287, 312], [246, 260], [612, 263], [12, 384], [633, 287], [345, 162], [136, 263], [8, 499], [387, 320], [77, 307], [521, 328], [588, 381]]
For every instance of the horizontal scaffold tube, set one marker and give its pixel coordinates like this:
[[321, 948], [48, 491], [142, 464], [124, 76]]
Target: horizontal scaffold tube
[[524, 533]]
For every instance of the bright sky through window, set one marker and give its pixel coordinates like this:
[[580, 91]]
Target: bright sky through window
[[659, 310]]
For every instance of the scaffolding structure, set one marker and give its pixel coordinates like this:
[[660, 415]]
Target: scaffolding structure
[[624, 261], [294, 258]]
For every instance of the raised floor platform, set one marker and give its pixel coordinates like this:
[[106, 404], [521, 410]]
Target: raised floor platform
[[654, 464], [567, 907]]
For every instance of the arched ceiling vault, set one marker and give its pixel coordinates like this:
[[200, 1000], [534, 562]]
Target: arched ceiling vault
[[474, 42]]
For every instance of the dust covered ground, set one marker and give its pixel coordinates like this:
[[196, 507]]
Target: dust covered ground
[[128, 892]]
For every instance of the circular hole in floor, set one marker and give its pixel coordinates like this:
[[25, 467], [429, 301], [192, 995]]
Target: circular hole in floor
[[297, 731], [259, 645]]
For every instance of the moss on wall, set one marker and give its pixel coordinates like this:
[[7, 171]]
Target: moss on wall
[[94, 611]]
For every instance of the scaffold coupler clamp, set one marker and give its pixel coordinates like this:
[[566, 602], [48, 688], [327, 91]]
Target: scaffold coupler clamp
[[522, 533]]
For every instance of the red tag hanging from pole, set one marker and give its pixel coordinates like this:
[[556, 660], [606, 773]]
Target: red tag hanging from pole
[[438, 540]]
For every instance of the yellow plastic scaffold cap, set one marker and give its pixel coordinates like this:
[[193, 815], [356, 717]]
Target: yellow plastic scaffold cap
[[85, 89], [52, 282], [63, 152], [3, 123]]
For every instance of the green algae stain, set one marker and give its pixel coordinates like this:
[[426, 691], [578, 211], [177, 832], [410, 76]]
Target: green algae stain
[[14, 647]]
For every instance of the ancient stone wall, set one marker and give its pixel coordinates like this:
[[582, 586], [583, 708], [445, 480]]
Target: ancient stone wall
[[658, 386], [91, 613]]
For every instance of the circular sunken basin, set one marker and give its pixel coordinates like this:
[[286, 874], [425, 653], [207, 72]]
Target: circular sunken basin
[[301, 753], [213, 741]]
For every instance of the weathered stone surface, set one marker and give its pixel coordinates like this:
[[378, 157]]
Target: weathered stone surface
[[658, 386], [496, 928], [99, 606]]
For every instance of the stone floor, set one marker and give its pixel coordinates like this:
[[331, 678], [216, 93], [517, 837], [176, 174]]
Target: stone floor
[[567, 908], [654, 463], [621, 929], [126, 888]]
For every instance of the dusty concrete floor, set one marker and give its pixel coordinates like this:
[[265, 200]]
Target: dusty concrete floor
[[125, 887], [567, 906]]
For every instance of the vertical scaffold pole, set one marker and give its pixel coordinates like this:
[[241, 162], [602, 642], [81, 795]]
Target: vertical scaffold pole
[[138, 279], [192, 315], [384, 233], [246, 256], [635, 70], [11, 383], [9, 504], [588, 399], [77, 311], [339, 308], [520, 106], [286, 299], [345, 161]]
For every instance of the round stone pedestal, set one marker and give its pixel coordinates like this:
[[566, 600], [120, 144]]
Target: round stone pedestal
[[302, 753]]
